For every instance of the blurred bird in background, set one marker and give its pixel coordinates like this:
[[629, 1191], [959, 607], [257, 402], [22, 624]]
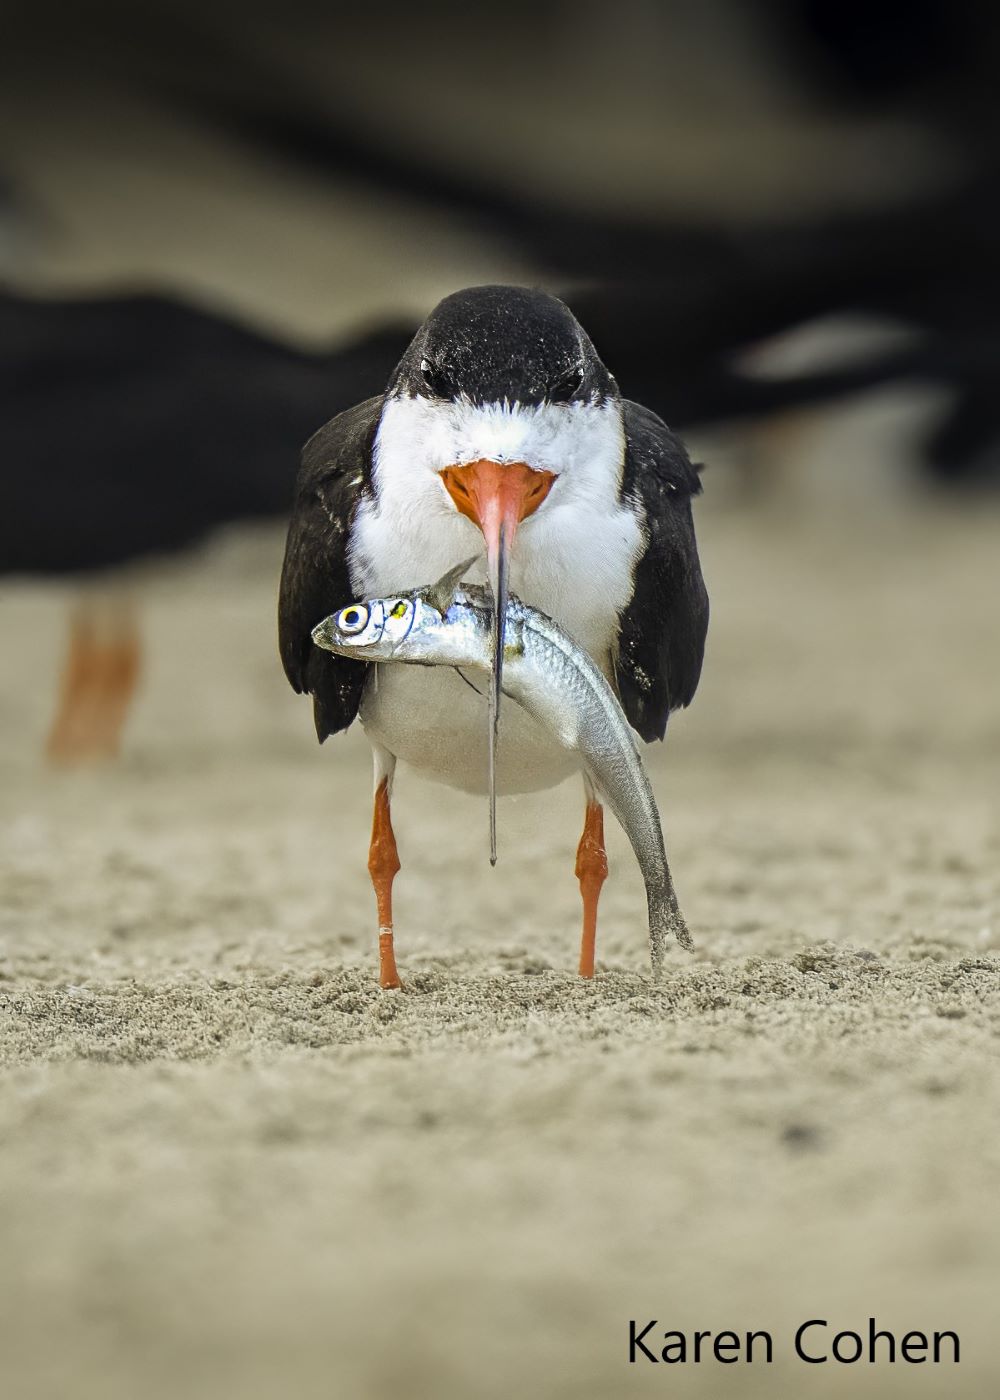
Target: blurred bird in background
[[220, 227]]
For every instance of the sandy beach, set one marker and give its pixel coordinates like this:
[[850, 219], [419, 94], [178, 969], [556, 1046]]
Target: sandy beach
[[230, 1166]]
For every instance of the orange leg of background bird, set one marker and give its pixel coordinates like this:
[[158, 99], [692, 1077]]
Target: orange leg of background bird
[[98, 682], [591, 871], [79, 671], [383, 865], [120, 666]]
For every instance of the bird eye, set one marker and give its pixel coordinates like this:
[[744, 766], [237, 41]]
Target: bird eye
[[352, 620], [435, 380], [564, 389]]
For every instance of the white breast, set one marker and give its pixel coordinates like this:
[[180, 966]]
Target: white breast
[[573, 559], [430, 718]]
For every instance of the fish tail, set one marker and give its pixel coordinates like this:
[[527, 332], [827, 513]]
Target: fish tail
[[665, 921]]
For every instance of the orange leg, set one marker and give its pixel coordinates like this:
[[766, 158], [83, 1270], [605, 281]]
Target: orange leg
[[98, 682], [591, 871], [383, 865], [121, 660], [77, 683]]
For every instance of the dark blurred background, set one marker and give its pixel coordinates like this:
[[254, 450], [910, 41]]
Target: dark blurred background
[[220, 223]]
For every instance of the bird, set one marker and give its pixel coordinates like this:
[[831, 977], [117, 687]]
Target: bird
[[501, 435], [181, 423]]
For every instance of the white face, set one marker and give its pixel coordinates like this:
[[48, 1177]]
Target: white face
[[581, 442]]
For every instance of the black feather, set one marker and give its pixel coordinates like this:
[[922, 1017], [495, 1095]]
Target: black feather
[[335, 472], [661, 640]]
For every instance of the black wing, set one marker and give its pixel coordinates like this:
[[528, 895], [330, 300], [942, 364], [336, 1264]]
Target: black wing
[[661, 640], [336, 469]]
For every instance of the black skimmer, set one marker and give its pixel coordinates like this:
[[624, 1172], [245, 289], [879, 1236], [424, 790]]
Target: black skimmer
[[500, 426], [180, 423]]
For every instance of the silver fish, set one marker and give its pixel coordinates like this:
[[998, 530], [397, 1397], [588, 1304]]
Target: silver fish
[[545, 672]]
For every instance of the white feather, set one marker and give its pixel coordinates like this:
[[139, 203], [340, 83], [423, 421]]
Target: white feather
[[573, 559]]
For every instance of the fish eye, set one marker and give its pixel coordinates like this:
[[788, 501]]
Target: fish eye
[[399, 609], [353, 619]]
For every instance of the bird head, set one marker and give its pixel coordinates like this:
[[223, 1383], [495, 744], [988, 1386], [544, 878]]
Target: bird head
[[503, 403]]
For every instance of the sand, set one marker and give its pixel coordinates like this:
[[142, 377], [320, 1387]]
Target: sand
[[230, 1166]]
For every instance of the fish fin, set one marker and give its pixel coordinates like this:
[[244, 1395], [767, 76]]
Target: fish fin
[[441, 595], [463, 677]]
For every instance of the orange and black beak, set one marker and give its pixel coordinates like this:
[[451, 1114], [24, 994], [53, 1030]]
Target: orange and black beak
[[497, 497]]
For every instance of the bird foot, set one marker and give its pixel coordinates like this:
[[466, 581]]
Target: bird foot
[[591, 871], [388, 976]]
